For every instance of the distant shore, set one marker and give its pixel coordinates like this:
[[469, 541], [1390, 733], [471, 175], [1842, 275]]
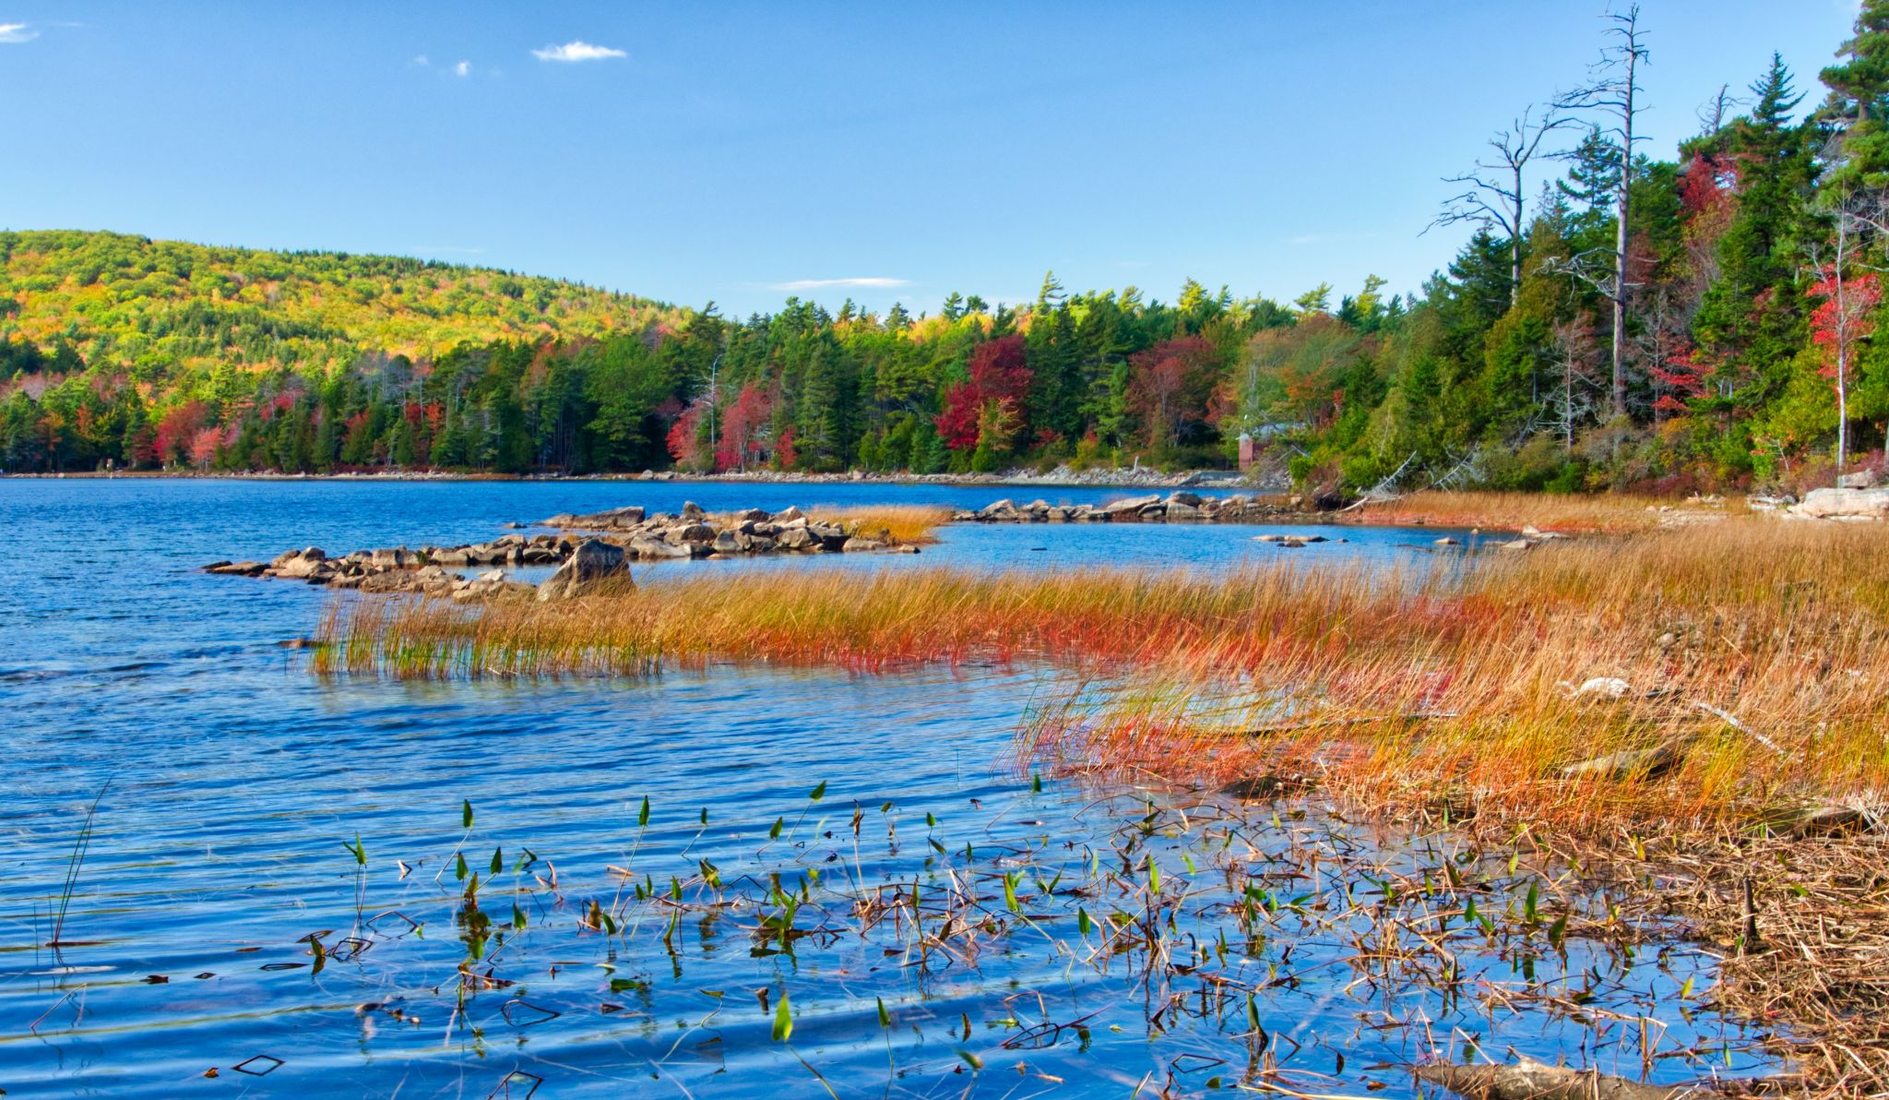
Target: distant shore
[[1060, 477]]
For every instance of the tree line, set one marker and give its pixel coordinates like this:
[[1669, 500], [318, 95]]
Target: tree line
[[1614, 319]]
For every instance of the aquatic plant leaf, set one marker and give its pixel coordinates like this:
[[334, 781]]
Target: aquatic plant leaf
[[465, 813], [818, 792], [783, 1020], [642, 816]]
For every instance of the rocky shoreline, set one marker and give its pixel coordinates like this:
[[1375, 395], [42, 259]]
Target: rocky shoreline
[[599, 547], [1177, 507], [1059, 477]]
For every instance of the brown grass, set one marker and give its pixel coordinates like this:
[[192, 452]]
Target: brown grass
[[1608, 513], [905, 524]]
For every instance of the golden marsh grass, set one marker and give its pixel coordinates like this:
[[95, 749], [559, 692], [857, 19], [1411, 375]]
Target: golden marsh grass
[[1754, 657]]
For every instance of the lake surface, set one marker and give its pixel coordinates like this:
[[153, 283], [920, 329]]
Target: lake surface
[[941, 919]]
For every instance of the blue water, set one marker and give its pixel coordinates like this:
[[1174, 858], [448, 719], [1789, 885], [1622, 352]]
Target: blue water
[[230, 781]]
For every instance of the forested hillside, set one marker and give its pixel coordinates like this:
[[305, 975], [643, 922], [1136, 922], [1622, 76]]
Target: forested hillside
[[1698, 317]]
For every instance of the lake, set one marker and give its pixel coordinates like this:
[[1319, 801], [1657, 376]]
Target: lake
[[360, 887]]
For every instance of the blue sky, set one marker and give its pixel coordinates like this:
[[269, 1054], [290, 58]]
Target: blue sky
[[745, 152]]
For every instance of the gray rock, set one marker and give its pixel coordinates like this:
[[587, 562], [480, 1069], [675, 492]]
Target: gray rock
[[1844, 504], [647, 548], [594, 560]]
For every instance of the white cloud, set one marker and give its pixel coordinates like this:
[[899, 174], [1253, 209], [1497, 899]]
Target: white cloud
[[868, 282], [577, 50], [16, 33], [464, 68], [421, 61]]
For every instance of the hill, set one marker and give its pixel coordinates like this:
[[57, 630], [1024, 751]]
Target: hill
[[156, 307]]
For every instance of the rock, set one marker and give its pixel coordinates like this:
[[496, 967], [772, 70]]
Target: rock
[[856, 544], [1826, 819], [647, 548], [455, 555], [1535, 1081], [1446, 541], [236, 568], [798, 539], [905, 548], [594, 560], [1516, 544], [615, 519], [1625, 764], [788, 515], [1191, 500], [1601, 687], [1844, 504], [488, 586], [692, 532], [1182, 512], [1130, 508], [302, 565], [397, 558]]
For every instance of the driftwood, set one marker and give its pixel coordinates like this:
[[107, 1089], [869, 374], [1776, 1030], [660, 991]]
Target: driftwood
[[1535, 1081]]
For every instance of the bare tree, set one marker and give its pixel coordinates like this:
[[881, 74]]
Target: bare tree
[[1614, 92], [1493, 196], [1574, 355], [1854, 218], [1712, 112]]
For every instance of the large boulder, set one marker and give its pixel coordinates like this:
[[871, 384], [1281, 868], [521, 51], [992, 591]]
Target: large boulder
[[300, 565], [594, 560], [1844, 504]]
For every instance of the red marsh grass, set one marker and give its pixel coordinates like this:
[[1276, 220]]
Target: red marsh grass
[[1754, 656]]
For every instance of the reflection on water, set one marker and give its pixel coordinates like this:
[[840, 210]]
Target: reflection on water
[[221, 919]]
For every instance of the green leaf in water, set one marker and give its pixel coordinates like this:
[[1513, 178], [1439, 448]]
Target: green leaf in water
[[783, 1020], [1010, 892], [459, 868], [775, 832], [1084, 923], [885, 1018], [818, 792], [642, 816], [1036, 783], [1154, 876], [465, 813], [498, 860]]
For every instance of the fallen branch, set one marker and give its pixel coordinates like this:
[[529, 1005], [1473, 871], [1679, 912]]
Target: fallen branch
[[1731, 720]]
